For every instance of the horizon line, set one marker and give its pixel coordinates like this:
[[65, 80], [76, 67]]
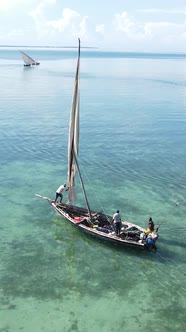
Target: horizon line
[[94, 47], [46, 46]]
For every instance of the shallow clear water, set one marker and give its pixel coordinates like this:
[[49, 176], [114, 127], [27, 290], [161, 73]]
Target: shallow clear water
[[132, 156]]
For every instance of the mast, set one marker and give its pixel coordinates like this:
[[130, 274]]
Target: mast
[[83, 187], [73, 141]]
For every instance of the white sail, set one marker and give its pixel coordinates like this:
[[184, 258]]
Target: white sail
[[27, 59], [73, 141]]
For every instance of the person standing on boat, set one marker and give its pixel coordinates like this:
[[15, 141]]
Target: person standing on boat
[[116, 219], [59, 192]]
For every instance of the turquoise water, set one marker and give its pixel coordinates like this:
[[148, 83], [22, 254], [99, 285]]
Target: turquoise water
[[132, 156]]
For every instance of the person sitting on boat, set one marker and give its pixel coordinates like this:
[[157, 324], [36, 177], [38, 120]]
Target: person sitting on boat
[[59, 192], [151, 224], [150, 227], [149, 240], [116, 219]]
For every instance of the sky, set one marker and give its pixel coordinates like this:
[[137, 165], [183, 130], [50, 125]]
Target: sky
[[126, 25]]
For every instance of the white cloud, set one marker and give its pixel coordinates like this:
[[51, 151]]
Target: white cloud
[[46, 25], [69, 26], [83, 33], [163, 29], [123, 22], [71, 23], [100, 28], [38, 13], [69, 20], [164, 33], [165, 36], [40, 18], [19, 4], [7, 4], [50, 2], [15, 34], [164, 11], [127, 25]]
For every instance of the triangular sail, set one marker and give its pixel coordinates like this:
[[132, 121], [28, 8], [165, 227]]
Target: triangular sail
[[27, 59], [73, 142]]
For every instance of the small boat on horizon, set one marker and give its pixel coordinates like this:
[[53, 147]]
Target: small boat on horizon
[[28, 61], [96, 224]]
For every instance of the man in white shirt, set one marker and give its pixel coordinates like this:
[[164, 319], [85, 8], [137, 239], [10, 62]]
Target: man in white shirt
[[59, 192], [116, 219]]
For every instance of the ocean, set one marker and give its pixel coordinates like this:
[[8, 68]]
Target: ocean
[[132, 157]]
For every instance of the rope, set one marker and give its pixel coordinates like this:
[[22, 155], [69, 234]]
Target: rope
[[97, 198], [166, 217]]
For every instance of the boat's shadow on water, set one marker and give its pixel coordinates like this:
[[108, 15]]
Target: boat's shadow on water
[[174, 243], [163, 253], [170, 251], [95, 243]]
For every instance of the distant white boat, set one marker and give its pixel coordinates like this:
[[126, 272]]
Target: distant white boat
[[28, 61]]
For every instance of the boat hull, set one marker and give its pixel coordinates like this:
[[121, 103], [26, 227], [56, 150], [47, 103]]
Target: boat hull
[[110, 237], [101, 228]]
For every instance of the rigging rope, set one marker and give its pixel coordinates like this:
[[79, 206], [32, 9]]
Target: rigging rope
[[96, 197]]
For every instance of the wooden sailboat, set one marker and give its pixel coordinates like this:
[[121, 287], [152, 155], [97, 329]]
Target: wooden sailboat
[[28, 61], [97, 224]]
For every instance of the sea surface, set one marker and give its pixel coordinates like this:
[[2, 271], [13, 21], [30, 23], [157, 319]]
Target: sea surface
[[132, 157]]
